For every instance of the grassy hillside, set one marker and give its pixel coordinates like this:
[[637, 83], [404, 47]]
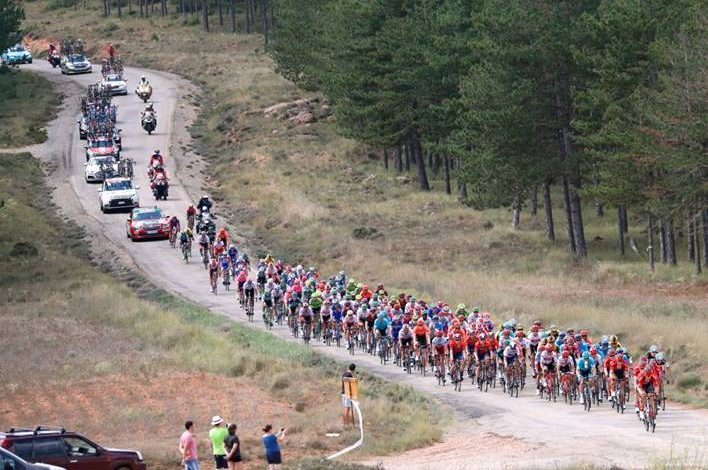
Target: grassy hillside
[[306, 194], [27, 102], [129, 364]]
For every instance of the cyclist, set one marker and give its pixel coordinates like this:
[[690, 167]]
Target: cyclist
[[381, 328], [440, 349], [647, 382], [405, 338], [511, 356], [241, 279], [185, 238], [249, 289], [233, 254], [305, 317], [203, 244], [422, 338], [547, 361], [204, 204], [350, 324], [615, 369], [586, 373], [482, 350], [213, 273], [457, 349]]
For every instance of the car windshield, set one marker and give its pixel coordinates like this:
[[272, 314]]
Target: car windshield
[[103, 144], [114, 78], [102, 161], [76, 58], [147, 215], [118, 185], [18, 49]]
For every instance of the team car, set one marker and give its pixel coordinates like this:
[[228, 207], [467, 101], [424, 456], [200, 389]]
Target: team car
[[101, 147], [75, 63], [17, 55], [99, 168], [118, 194], [146, 223], [115, 83]]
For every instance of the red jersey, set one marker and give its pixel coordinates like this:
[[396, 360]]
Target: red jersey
[[483, 347], [421, 331], [457, 346]]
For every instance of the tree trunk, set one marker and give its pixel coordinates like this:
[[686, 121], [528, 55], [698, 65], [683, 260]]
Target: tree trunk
[[120, 11], [620, 225], [650, 237], [407, 155], [534, 200], [704, 223], [205, 15], [399, 159], [220, 5], [662, 241], [461, 185], [233, 16], [623, 219], [670, 243], [385, 159], [141, 2], [697, 241], [446, 162], [548, 209], [249, 17], [417, 150], [577, 214], [691, 236], [568, 217], [130, 6], [516, 213], [599, 210], [264, 19], [437, 163], [430, 159]]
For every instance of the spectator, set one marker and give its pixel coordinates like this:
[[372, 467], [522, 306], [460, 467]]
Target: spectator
[[217, 435], [346, 402], [188, 447], [271, 442], [233, 448]]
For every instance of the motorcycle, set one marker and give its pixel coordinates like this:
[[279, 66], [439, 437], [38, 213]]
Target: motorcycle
[[54, 60], [117, 139], [159, 188], [149, 123], [144, 92], [206, 224]]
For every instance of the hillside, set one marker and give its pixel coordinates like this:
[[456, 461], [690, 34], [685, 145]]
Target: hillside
[[309, 195]]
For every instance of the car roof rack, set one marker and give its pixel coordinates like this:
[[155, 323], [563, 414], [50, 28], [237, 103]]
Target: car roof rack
[[43, 427], [15, 429]]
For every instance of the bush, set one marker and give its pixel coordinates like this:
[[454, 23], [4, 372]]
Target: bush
[[59, 4], [690, 381]]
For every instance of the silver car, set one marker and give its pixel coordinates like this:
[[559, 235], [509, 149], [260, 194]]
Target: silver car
[[99, 168], [115, 83], [9, 461]]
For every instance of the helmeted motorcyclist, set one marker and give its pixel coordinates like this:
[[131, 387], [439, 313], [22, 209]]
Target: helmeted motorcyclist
[[156, 159], [204, 202], [148, 111]]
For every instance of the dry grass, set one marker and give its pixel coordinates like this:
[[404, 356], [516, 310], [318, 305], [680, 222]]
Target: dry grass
[[302, 191], [129, 366], [28, 102]]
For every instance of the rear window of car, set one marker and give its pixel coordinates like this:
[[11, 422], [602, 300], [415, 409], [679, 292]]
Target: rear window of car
[[119, 186], [148, 215], [48, 447], [22, 448]]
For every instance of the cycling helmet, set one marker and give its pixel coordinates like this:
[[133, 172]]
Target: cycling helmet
[[205, 208], [613, 339], [421, 322], [620, 351], [583, 333], [534, 328], [382, 315], [520, 328], [507, 343], [506, 332], [438, 334], [586, 355], [157, 152], [461, 307], [605, 342], [653, 349], [612, 353], [549, 348], [482, 337], [475, 310], [562, 335], [565, 354], [537, 323], [593, 351], [578, 338]]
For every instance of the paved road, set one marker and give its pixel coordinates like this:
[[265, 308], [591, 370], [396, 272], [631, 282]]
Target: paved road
[[537, 433]]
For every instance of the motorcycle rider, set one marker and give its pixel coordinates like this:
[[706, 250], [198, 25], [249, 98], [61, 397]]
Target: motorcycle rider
[[149, 111], [156, 158], [203, 203], [160, 178]]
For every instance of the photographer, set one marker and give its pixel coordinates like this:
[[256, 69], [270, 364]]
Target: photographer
[[272, 442]]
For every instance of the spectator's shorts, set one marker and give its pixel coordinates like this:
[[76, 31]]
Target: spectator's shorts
[[273, 458]]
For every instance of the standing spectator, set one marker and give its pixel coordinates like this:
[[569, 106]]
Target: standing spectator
[[346, 402], [271, 442], [217, 435], [188, 447], [233, 448]]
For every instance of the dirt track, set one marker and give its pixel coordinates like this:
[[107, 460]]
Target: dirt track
[[523, 432]]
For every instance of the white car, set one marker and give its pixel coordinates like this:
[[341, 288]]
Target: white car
[[98, 168], [115, 83], [118, 194]]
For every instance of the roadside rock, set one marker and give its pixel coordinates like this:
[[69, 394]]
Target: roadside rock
[[402, 180]]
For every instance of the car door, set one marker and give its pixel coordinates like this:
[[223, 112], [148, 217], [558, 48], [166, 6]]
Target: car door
[[83, 455], [8, 462], [49, 449]]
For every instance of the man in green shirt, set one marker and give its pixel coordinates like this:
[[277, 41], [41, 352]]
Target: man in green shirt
[[217, 434]]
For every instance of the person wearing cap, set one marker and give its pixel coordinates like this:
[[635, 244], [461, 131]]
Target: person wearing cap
[[217, 435]]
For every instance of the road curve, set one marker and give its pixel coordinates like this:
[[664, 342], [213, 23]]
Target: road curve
[[489, 431]]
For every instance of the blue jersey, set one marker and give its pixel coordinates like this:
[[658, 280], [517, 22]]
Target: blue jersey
[[396, 326], [337, 313], [381, 324], [586, 366]]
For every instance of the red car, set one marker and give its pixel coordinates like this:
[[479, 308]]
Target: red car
[[145, 223], [100, 147]]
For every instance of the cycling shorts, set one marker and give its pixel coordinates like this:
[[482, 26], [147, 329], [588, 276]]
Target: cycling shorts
[[406, 342], [268, 302], [510, 360], [250, 293], [422, 341], [381, 332], [240, 285], [326, 318], [550, 367], [619, 374], [585, 373], [483, 355], [648, 387], [564, 369], [458, 356]]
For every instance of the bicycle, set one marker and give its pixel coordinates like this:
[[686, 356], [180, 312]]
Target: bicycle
[[250, 307], [513, 381], [350, 340], [173, 237], [567, 387], [383, 349], [227, 279], [268, 317], [204, 253], [440, 369], [457, 374], [422, 358], [306, 331], [650, 411], [588, 391], [620, 396], [186, 251], [213, 277], [549, 389]]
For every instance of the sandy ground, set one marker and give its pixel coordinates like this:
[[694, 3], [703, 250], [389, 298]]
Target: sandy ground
[[508, 433]]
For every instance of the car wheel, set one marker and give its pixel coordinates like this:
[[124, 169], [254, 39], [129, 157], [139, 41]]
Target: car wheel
[[29, 61], [103, 209]]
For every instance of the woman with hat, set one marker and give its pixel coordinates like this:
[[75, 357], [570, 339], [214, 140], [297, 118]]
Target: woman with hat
[[217, 435]]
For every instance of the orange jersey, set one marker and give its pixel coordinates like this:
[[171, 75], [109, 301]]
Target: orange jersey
[[421, 331], [457, 346]]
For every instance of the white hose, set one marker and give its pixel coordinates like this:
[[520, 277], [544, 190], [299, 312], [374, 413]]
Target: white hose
[[361, 434]]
